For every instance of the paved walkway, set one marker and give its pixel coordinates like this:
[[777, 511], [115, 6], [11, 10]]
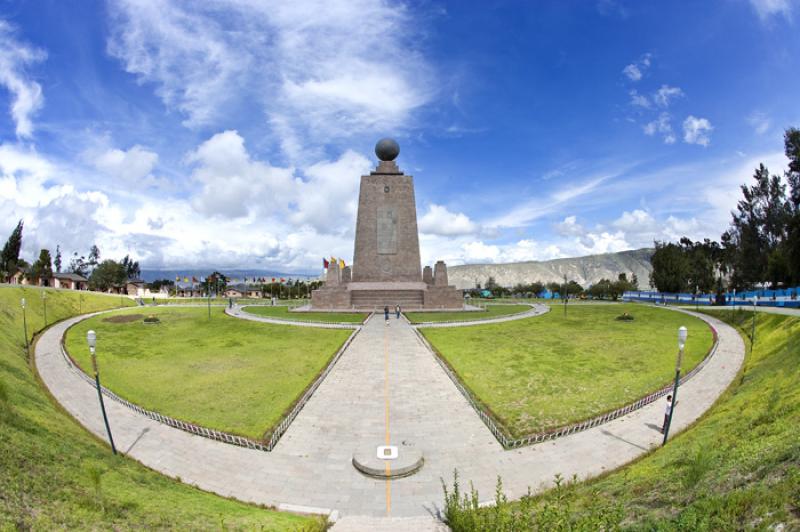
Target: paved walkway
[[385, 387], [748, 308], [535, 310], [238, 312]]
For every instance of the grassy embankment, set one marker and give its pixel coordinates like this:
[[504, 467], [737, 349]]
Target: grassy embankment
[[544, 372], [737, 468], [492, 311], [236, 375], [282, 312], [55, 475]]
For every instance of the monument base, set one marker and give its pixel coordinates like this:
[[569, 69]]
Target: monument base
[[377, 295]]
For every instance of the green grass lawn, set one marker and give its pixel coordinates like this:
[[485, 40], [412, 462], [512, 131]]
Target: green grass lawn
[[737, 468], [544, 372], [329, 317], [492, 311], [55, 475], [235, 375]]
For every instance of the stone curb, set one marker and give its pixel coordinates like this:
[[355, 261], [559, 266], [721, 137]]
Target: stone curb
[[511, 443], [199, 430]]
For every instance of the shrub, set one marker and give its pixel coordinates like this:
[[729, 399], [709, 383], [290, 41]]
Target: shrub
[[624, 317]]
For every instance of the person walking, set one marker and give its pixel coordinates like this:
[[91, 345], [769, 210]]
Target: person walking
[[397, 311], [667, 414], [386, 314]]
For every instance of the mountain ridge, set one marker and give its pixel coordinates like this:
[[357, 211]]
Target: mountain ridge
[[585, 270]]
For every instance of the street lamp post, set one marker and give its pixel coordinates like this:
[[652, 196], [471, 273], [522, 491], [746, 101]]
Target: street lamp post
[[565, 295], [91, 338], [25, 328], [44, 306], [753, 332], [682, 334]]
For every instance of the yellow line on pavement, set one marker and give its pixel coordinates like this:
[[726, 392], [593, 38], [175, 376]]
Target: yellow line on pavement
[[386, 415]]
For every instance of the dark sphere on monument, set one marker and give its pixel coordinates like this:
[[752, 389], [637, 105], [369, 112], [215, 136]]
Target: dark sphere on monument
[[387, 149]]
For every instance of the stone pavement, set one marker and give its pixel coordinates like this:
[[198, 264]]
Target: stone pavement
[[386, 387]]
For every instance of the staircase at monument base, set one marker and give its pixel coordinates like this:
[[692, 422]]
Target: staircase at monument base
[[377, 299]]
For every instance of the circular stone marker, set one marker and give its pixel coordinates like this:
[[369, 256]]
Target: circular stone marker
[[387, 149], [402, 460]]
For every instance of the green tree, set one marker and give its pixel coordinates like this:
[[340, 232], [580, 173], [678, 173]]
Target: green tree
[[131, 267], [78, 265], [42, 269], [758, 229], [215, 283], [94, 257], [9, 257], [57, 261], [106, 275], [792, 247], [670, 268]]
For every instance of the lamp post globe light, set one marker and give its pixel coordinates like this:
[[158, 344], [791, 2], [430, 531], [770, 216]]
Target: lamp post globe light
[[683, 333], [91, 339], [25, 328]]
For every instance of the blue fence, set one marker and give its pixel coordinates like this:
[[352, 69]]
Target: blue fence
[[788, 297]]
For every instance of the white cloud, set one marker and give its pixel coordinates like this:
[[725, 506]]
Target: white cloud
[[635, 71], [639, 100], [666, 93], [234, 185], [759, 121], [768, 8], [328, 200], [27, 94], [440, 221], [132, 167], [697, 131], [317, 69], [663, 126]]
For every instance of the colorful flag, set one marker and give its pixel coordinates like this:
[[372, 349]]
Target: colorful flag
[[341, 264], [273, 279], [324, 263], [194, 279], [177, 278], [283, 280], [185, 279]]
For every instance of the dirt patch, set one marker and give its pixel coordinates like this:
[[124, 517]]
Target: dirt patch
[[124, 318]]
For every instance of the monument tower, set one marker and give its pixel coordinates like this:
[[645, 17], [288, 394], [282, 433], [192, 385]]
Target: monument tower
[[386, 261]]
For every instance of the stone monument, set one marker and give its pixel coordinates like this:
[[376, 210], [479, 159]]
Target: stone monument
[[386, 267]]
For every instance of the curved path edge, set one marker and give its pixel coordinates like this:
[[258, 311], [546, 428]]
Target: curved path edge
[[200, 430], [509, 442], [537, 309], [238, 312], [309, 469]]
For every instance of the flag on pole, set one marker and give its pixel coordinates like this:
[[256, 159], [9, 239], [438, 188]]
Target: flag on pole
[[341, 264], [177, 278], [185, 279], [324, 263]]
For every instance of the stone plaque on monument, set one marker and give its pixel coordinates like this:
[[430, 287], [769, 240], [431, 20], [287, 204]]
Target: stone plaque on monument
[[387, 231]]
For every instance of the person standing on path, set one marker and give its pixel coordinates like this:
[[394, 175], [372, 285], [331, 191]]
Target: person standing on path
[[667, 414], [386, 314], [397, 311]]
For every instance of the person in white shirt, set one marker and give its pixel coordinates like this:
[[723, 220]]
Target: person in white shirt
[[667, 413]]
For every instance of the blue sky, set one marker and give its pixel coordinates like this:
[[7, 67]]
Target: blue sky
[[232, 133]]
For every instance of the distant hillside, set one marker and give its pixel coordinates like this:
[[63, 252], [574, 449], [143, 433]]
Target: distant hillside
[[585, 270]]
